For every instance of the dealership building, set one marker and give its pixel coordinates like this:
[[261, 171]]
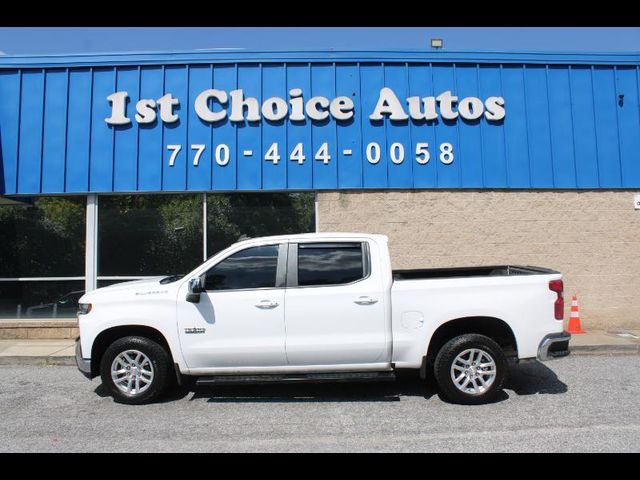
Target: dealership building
[[124, 166]]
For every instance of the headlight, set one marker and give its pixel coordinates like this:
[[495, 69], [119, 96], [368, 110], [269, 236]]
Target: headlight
[[84, 308]]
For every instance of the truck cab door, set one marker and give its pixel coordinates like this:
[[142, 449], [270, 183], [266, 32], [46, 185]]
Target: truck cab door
[[238, 322], [335, 306]]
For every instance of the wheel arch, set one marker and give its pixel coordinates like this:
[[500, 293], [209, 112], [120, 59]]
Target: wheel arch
[[492, 327], [110, 335]]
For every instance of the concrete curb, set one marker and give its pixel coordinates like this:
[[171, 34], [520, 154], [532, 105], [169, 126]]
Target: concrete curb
[[580, 350], [36, 360], [625, 349]]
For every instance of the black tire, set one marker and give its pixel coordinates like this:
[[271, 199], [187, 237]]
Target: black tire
[[446, 357], [159, 358]]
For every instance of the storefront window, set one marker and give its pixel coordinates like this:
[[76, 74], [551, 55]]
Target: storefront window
[[142, 235], [42, 257], [40, 299], [43, 237], [229, 216]]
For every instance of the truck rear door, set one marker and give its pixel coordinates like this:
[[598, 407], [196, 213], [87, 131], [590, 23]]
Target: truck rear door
[[334, 305]]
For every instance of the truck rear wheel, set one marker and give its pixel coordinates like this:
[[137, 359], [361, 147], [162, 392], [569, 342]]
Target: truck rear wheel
[[470, 369], [135, 369]]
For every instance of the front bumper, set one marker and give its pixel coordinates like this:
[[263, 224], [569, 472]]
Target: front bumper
[[84, 364], [555, 345]]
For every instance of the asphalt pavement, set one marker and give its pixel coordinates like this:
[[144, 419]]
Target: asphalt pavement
[[578, 403]]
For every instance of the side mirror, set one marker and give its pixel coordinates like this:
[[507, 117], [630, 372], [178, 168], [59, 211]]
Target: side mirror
[[195, 289]]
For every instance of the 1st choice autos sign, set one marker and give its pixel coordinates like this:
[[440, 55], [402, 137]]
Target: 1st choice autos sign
[[215, 106]]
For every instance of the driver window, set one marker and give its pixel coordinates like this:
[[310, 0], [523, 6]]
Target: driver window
[[253, 267]]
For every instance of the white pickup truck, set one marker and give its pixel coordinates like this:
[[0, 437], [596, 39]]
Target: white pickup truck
[[320, 307]]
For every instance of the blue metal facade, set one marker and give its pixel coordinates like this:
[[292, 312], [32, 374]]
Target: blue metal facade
[[572, 121]]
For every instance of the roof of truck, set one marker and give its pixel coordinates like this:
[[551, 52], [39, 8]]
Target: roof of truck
[[316, 235]]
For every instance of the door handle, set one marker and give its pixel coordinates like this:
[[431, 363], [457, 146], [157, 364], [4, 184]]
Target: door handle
[[364, 300], [267, 304]]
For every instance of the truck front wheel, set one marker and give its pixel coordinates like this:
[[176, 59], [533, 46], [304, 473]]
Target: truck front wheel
[[470, 369], [135, 369]]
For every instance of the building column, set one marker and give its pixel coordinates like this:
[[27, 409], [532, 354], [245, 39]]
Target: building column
[[204, 227], [316, 207], [91, 244]]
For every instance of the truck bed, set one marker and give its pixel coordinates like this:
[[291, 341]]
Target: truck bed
[[490, 271]]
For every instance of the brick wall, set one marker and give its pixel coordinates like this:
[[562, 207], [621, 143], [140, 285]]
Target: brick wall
[[592, 237]]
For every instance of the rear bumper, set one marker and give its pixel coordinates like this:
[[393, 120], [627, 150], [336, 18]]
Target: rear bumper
[[84, 364], [555, 345]]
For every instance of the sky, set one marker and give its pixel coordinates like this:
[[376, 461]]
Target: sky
[[63, 40]]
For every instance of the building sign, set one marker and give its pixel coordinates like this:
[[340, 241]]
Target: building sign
[[297, 109], [243, 121], [214, 106]]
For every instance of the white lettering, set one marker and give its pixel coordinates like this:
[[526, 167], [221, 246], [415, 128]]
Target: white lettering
[[470, 108], [274, 109], [314, 112], [167, 102], [201, 105], [146, 111], [388, 103], [238, 104], [495, 108], [429, 108], [118, 102], [238, 108], [341, 108], [446, 105], [297, 105]]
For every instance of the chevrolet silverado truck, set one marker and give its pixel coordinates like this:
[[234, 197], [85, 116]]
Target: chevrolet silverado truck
[[320, 307]]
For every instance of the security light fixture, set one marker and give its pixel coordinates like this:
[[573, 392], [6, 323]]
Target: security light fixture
[[437, 43]]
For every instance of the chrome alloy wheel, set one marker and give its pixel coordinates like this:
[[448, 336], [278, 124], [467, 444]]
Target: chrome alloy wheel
[[132, 372], [473, 371]]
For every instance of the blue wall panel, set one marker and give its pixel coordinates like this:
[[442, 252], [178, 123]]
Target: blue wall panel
[[323, 135], [628, 125], [348, 131], [607, 127], [583, 118], [31, 123], [539, 138], [125, 168], [446, 130], [199, 132], [10, 83], [225, 161], [79, 130], [300, 171], [150, 136], [399, 158], [102, 139], [274, 172], [250, 151], [374, 163], [55, 131], [470, 156], [425, 174], [561, 127], [493, 142], [516, 135], [174, 177], [568, 124]]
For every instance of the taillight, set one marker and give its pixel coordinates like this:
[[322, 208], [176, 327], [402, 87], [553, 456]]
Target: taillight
[[558, 307]]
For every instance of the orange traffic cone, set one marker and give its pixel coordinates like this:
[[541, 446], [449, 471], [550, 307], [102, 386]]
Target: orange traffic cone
[[574, 319]]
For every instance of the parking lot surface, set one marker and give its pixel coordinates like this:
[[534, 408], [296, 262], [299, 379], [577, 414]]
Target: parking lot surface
[[586, 403]]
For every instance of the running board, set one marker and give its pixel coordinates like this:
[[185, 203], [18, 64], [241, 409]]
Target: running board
[[299, 378]]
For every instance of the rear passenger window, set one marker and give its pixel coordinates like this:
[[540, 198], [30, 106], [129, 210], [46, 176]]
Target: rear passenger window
[[330, 263]]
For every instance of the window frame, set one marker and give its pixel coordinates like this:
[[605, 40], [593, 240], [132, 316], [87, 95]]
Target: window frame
[[281, 269], [292, 263]]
